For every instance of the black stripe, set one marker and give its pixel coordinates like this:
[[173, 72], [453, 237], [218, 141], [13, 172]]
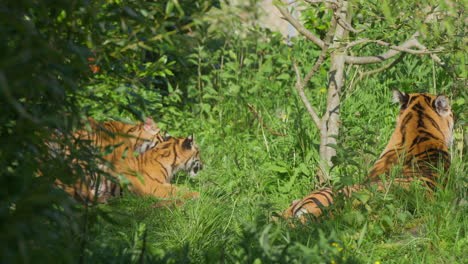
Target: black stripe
[[326, 197], [154, 179], [317, 201], [434, 123], [407, 118], [418, 140], [175, 155], [412, 98], [166, 174], [306, 203], [429, 134], [427, 99], [329, 192], [418, 107], [427, 151]]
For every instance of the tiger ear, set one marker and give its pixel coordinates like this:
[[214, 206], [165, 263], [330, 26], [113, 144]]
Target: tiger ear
[[167, 136], [442, 105], [188, 142], [150, 126], [400, 97]]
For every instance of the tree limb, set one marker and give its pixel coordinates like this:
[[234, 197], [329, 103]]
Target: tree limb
[[394, 50], [385, 67], [343, 23], [301, 84], [299, 27], [300, 89], [322, 1]]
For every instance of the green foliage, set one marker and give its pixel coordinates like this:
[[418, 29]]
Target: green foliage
[[198, 72]]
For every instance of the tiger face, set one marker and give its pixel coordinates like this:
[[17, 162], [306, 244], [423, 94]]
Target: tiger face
[[158, 166], [188, 158]]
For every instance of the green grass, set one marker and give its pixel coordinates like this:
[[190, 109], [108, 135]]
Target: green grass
[[251, 174]]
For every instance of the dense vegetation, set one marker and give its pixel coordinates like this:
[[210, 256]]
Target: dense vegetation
[[196, 68]]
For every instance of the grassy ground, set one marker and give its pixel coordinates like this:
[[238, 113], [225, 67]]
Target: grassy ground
[[251, 174]]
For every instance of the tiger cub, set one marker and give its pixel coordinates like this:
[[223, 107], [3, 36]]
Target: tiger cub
[[151, 172], [126, 140], [419, 143]]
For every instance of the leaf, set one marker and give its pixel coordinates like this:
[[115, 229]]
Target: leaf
[[169, 7], [362, 195], [362, 235], [283, 76]]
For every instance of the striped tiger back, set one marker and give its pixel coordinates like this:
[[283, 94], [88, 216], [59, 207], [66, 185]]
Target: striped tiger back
[[420, 140], [419, 143]]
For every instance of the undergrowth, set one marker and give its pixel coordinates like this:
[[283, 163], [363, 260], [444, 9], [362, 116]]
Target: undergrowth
[[252, 175]]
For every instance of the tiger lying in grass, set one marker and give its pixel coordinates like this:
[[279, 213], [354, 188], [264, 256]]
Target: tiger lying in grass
[[157, 166], [118, 142], [418, 144], [149, 173]]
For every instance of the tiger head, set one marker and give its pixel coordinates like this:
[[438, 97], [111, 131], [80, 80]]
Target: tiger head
[[431, 114], [148, 135], [187, 154]]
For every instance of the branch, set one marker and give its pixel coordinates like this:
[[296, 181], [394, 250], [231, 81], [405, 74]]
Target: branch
[[299, 27], [300, 89], [322, 1], [260, 120], [385, 67], [301, 84], [342, 22], [394, 50], [423, 49]]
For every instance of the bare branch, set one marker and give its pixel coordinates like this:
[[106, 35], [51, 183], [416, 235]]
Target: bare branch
[[299, 27], [343, 23], [415, 43], [385, 67], [260, 120], [322, 1], [433, 56], [394, 50], [301, 84], [300, 89]]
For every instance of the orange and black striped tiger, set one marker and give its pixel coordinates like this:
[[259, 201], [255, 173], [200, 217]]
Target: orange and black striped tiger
[[157, 167], [118, 142], [124, 139], [419, 143]]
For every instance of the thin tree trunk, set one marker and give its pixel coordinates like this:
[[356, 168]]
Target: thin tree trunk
[[331, 119]]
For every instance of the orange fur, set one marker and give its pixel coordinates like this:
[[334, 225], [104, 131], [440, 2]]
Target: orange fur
[[123, 140], [157, 167], [418, 144]]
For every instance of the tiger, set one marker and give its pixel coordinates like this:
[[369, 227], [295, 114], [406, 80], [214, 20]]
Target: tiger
[[124, 141], [419, 143], [150, 173], [157, 167]]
